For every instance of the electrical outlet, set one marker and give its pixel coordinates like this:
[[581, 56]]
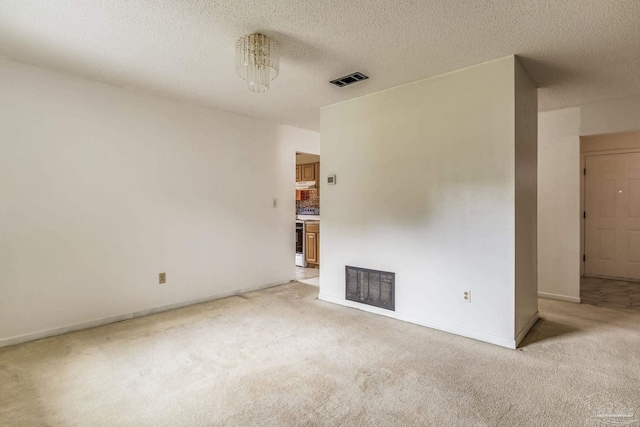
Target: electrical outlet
[[162, 278], [466, 295]]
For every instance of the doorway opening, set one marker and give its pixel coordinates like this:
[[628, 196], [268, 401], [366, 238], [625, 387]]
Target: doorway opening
[[610, 230], [308, 218]]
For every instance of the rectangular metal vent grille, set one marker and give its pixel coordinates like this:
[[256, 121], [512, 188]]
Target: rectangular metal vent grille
[[371, 287], [348, 80]]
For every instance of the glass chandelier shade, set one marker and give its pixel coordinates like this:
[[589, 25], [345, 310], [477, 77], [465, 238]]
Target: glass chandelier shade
[[257, 61]]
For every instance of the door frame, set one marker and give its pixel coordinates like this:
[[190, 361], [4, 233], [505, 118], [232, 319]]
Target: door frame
[[584, 153]]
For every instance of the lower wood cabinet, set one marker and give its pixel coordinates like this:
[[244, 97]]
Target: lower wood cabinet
[[312, 241], [312, 248]]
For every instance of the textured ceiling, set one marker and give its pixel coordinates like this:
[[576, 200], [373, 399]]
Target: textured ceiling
[[577, 51]]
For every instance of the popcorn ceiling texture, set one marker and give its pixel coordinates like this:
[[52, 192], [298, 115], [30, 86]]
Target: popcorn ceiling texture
[[577, 51]]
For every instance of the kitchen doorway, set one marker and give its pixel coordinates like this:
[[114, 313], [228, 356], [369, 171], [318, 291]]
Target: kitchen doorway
[[308, 218], [309, 276]]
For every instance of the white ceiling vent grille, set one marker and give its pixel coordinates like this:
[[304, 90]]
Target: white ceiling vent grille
[[349, 79]]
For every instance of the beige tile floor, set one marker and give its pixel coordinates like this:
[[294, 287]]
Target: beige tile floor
[[610, 293], [306, 273]]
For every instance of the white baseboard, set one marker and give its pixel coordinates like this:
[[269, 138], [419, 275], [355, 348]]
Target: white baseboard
[[523, 333], [32, 336], [469, 333], [559, 297]]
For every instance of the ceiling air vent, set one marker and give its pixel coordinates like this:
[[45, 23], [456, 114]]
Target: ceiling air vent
[[349, 79]]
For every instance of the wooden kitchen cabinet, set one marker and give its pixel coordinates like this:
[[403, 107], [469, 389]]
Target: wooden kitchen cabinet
[[312, 241], [318, 179], [308, 172], [312, 249]]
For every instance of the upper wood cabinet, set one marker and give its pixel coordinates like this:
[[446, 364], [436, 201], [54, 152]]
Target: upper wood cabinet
[[309, 172]]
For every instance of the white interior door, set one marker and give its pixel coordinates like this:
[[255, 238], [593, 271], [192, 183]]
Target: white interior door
[[612, 224]]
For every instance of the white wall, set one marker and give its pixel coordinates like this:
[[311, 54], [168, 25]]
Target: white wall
[[559, 212], [559, 204], [426, 189], [103, 187], [617, 115], [526, 181]]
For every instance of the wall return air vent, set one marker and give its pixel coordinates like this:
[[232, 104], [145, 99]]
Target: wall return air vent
[[349, 80], [371, 287]]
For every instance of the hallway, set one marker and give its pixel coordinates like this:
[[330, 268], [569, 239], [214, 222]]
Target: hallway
[[610, 293]]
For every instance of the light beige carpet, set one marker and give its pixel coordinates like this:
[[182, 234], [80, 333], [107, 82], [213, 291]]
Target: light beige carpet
[[280, 357]]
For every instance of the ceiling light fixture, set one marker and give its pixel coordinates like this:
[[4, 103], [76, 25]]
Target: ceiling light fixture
[[257, 61]]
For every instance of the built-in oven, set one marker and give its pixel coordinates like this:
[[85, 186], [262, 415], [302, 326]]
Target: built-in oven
[[301, 259]]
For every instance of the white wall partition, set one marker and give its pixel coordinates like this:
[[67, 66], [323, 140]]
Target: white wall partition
[[427, 188], [526, 178], [559, 204], [102, 188]]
